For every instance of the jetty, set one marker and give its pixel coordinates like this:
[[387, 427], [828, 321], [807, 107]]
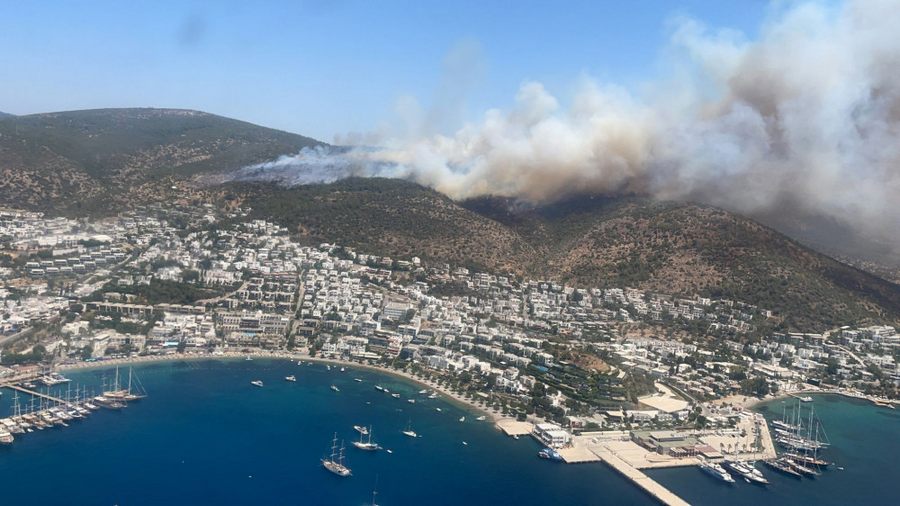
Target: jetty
[[651, 487], [35, 393]]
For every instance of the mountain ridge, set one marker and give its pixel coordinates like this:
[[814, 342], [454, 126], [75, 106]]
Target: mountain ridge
[[69, 160], [592, 241]]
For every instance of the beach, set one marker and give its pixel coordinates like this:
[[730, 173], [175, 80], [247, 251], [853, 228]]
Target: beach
[[471, 404]]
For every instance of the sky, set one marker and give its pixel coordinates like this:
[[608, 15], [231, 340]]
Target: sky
[[329, 69]]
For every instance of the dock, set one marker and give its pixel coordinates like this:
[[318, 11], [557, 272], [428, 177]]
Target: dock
[[654, 489], [34, 393]]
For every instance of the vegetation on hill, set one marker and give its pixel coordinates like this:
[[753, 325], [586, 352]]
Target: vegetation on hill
[[683, 249], [72, 160]]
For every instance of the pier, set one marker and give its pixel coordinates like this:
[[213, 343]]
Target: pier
[[657, 491], [34, 393]]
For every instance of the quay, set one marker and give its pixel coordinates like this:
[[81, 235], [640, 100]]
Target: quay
[[654, 489]]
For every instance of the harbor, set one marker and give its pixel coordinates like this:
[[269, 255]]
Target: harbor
[[34, 409]]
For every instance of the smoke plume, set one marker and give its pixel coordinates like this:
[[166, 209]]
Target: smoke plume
[[805, 117]]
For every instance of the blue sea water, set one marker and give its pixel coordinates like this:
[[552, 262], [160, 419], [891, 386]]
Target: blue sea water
[[206, 436]]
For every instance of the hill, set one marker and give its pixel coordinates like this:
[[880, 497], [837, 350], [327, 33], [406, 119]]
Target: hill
[[72, 160], [5, 115], [588, 241]]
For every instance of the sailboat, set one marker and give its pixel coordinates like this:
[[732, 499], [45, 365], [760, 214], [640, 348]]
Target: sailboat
[[409, 432], [368, 445], [126, 394], [335, 463]]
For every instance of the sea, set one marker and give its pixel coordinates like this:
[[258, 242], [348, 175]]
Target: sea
[[205, 435]]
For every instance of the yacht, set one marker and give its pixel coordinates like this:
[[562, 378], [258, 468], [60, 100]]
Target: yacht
[[716, 471], [549, 454], [395, 396], [290, 378], [367, 445], [423, 391], [257, 383], [409, 432], [6, 438], [747, 471], [780, 465], [379, 388], [335, 462], [361, 429]]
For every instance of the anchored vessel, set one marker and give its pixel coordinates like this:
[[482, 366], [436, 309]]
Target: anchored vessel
[[409, 432], [335, 462], [367, 445]]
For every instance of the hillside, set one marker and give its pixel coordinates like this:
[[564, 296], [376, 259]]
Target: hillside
[[72, 160], [668, 247]]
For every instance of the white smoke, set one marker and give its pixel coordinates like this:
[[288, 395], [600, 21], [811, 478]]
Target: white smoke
[[806, 117]]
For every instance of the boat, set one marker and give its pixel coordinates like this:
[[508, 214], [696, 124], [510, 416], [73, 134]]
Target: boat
[[395, 396], [53, 379], [335, 388], [716, 471], [805, 398], [462, 419], [367, 445], [411, 401], [328, 367], [343, 370], [299, 362], [248, 358], [290, 378], [432, 396], [550, 454], [379, 388], [802, 469], [439, 410], [465, 444], [481, 418], [389, 450], [257, 383], [783, 467], [357, 380], [747, 471], [131, 393], [808, 460], [423, 391], [409, 432], [335, 462], [6, 438], [361, 429]]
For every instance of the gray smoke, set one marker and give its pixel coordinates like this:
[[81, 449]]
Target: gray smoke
[[806, 117]]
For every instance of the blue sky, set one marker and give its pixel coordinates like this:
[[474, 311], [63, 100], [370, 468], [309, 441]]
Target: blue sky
[[323, 68]]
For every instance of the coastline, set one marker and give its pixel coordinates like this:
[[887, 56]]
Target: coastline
[[493, 417], [749, 402]]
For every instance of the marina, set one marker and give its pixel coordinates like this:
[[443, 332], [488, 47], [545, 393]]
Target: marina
[[41, 410]]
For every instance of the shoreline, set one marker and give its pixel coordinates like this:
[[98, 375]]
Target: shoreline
[[749, 402], [150, 359]]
